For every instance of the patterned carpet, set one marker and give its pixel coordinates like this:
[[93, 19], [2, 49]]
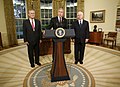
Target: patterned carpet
[[102, 63], [40, 77]]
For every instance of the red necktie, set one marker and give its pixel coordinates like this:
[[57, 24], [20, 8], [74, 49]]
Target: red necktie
[[33, 26]]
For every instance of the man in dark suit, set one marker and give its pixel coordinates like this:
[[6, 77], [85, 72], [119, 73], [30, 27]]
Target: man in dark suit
[[32, 37], [81, 28], [58, 22]]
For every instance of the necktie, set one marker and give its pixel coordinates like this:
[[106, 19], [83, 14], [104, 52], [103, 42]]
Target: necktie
[[60, 19], [33, 26], [80, 23]]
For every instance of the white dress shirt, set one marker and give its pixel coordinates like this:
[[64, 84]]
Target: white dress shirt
[[31, 21], [59, 19], [80, 21]]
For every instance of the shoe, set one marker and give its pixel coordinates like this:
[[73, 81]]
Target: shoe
[[32, 66], [38, 64], [76, 62], [80, 62]]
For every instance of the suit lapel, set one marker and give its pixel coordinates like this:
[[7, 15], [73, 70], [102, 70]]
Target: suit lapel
[[62, 19], [78, 23], [82, 24], [29, 24], [35, 24], [57, 20]]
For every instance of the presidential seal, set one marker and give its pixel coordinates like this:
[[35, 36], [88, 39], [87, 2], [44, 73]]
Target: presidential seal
[[60, 32]]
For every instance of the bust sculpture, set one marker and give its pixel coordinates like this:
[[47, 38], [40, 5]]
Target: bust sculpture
[[95, 28]]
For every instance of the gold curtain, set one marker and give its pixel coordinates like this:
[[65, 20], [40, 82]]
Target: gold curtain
[[10, 22], [80, 5]]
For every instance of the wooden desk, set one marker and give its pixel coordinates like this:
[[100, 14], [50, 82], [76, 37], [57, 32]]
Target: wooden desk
[[96, 37], [46, 46]]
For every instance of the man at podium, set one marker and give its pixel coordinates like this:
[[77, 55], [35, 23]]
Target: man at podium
[[58, 22]]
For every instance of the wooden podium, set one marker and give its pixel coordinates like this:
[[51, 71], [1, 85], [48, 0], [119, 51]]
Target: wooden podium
[[59, 70]]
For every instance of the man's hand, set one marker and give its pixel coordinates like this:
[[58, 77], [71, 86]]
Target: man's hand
[[26, 43], [86, 40], [43, 32], [40, 41]]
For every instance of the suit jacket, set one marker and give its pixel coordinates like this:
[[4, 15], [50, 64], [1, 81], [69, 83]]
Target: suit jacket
[[28, 33], [81, 32], [54, 23]]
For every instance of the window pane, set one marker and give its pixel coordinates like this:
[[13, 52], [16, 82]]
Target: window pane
[[19, 24], [20, 15], [46, 12], [19, 8], [71, 11]]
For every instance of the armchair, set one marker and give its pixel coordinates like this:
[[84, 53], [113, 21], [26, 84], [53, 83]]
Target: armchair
[[111, 37]]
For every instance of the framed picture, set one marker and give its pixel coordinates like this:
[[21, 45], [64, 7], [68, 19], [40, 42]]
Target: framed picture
[[97, 16]]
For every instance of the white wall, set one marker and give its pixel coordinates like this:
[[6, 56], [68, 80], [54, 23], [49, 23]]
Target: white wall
[[3, 28], [110, 7]]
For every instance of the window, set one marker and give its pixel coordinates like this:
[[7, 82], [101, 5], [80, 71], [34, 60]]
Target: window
[[46, 12], [20, 15], [71, 11]]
